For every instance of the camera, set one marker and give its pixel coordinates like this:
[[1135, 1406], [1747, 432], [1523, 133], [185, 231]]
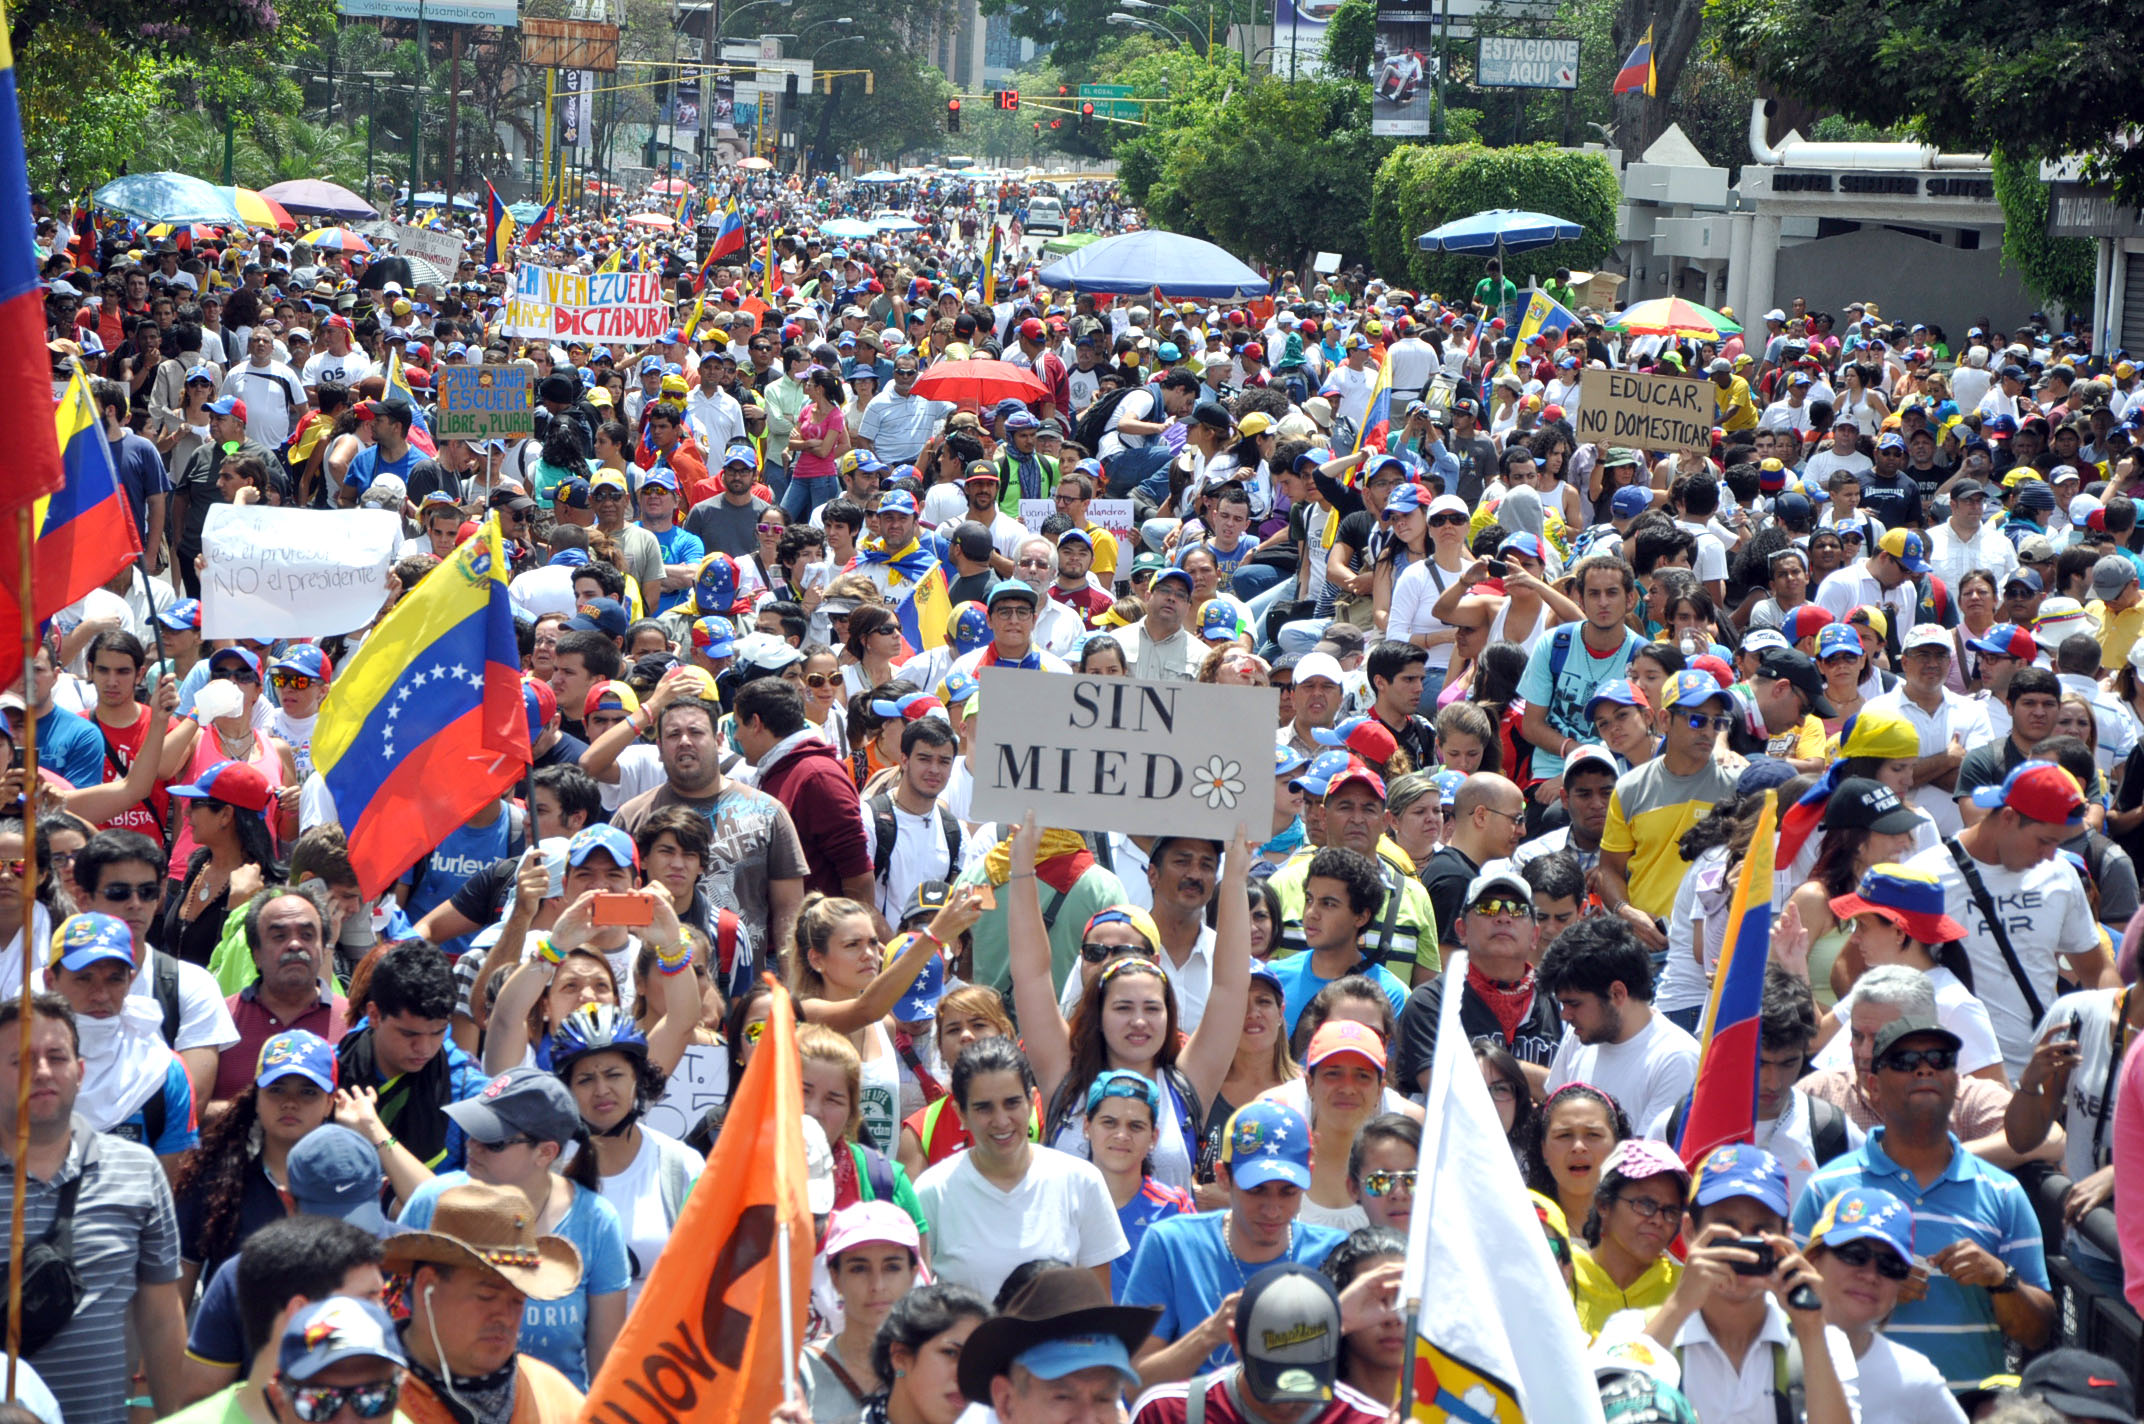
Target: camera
[[1757, 1246]]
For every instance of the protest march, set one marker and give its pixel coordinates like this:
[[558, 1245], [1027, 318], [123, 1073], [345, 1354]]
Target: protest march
[[651, 823]]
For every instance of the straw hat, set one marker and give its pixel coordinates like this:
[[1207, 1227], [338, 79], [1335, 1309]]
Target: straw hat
[[492, 1229]]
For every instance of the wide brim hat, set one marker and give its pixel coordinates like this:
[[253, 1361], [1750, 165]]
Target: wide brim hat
[[491, 1229], [1058, 1302]]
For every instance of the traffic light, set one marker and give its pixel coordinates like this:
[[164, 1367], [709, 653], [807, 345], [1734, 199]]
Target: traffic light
[[1056, 123], [1086, 112], [952, 116], [1063, 90], [1006, 98], [791, 87]]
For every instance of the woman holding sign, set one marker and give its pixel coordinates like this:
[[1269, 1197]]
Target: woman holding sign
[[1126, 1018]]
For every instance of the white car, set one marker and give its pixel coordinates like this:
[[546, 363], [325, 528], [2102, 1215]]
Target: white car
[[1045, 217]]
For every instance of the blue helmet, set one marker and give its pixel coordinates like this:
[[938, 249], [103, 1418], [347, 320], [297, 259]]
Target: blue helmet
[[595, 1028]]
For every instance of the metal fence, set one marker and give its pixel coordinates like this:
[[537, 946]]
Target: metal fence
[[2090, 1317]]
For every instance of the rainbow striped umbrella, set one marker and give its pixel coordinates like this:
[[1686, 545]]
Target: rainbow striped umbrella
[[336, 239], [1672, 316], [259, 211]]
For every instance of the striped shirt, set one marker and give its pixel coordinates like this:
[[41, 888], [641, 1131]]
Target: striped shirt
[[126, 1234], [1954, 1326], [1647, 813]]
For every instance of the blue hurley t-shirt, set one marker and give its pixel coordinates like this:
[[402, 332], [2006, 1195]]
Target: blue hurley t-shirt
[[556, 1331], [1185, 1267], [465, 851]]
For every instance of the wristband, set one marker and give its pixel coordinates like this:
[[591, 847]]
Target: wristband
[[678, 964], [550, 953]]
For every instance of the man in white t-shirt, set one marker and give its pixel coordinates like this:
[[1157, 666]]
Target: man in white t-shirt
[[1602, 981], [1348, 384], [1843, 453], [1884, 578], [1946, 722], [339, 360], [2045, 919]]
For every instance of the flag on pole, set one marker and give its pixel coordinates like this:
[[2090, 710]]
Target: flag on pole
[[1377, 420], [1638, 71], [34, 470], [990, 264], [425, 725], [1723, 1106], [85, 528], [732, 1309], [420, 430], [1508, 1349], [1544, 315], [768, 269], [613, 262], [498, 229], [728, 238], [541, 221]]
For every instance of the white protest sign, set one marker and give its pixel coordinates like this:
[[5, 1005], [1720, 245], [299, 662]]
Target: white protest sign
[[442, 249], [1115, 515], [700, 1080], [1034, 512], [1647, 412], [1327, 263], [1110, 753], [294, 573], [610, 308]]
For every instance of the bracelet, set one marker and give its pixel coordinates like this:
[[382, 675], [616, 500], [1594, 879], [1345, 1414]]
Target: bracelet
[[675, 960], [549, 952], [925, 932], [1022, 875]]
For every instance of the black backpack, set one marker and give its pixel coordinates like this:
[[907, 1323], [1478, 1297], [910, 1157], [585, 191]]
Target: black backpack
[[887, 831], [1095, 423]]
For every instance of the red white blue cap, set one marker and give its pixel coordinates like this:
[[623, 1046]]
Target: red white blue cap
[[2006, 640], [1911, 899], [235, 783], [1267, 1141], [305, 659], [2037, 790], [1365, 736]]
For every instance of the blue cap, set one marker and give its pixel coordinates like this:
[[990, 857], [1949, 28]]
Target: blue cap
[[1069, 1354], [1523, 543], [1449, 781], [1631, 501], [83, 940], [601, 615], [1182, 576], [1693, 689], [1739, 1170], [1266, 973], [1219, 619], [326, 1332], [971, 628], [1866, 1214], [2035, 494], [1287, 760], [651, 363], [1835, 638], [334, 1172], [1891, 440], [958, 687], [295, 1051], [305, 659], [713, 637], [1269, 1142], [1618, 690], [181, 615], [606, 838], [1011, 588], [740, 452], [897, 502], [1404, 500], [658, 478], [1318, 777]]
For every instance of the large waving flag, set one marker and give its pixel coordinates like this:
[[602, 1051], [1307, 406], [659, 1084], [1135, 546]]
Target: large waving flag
[[34, 470], [498, 229], [734, 1311], [1723, 1107], [1638, 71], [425, 725], [541, 221], [925, 612], [85, 530], [1377, 419], [990, 264], [767, 272], [729, 237], [420, 430], [1543, 315], [1508, 1349]]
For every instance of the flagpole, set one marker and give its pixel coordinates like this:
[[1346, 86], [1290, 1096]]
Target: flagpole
[[789, 1327], [26, 549]]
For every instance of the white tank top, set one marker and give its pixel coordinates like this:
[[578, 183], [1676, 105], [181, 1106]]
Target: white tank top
[[882, 1092], [1498, 631], [1172, 1163]]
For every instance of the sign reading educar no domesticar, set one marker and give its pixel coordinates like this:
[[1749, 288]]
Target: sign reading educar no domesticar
[[1112, 754], [1647, 412]]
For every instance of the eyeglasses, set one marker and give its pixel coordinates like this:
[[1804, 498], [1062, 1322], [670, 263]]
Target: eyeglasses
[[1515, 817], [606, 493], [1016, 610], [237, 674], [1856, 1254], [773, 529], [1503, 909], [291, 681], [12, 867], [1503, 1092], [1911, 1060], [1706, 722], [1446, 521], [1094, 952], [318, 1403], [1648, 1209], [118, 893], [1381, 1184], [1033, 564]]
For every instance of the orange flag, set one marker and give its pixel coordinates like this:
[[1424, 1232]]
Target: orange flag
[[706, 1341]]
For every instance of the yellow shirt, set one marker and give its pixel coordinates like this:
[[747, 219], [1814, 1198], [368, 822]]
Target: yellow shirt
[[1737, 410], [1104, 567], [1648, 811], [1599, 1297], [2118, 632]]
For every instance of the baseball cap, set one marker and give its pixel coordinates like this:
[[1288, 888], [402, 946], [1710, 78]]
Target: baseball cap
[[1866, 1214], [1905, 1027], [2111, 575], [601, 615], [1323, 665], [229, 405], [2007, 640], [1905, 546], [1012, 588], [610, 693], [763, 653], [2080, 1385], [180, 614], [1911, 899], [869, 1221], [86, 939], [1287, 760], [1693, 689], [1365, 736], [1355, 770], [1069, 1354], [1863, 804], [1640, 1157], [1581, 755], [1341, 1036], [236, 783], [2035, 494], [1288, 1327], [1926, 635], [1762, 774], [521, 1101], [1797, 667], [296, 1052], [1806, 620], [1630, 501], [1502, 880], [324, 1333], [332, 1171], [605, 838], [2038, 791], [305, 659], [1267, 1141], [1834, 639], [1619, 690], [1739, 1170]]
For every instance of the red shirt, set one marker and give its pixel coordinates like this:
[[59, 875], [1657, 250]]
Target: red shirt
[[1089, 602], [148, 816], [1170, 1404], [236, 1064]]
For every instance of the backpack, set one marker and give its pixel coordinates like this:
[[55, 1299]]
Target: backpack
[[164, 986], [886, 832], [1827, 1127], [1095, 423]]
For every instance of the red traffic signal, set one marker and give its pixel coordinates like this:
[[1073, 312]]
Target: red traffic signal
[[952, 106], [1086, 111], [1063, 90], [952, 116], [1054, 123], [1006, 98]]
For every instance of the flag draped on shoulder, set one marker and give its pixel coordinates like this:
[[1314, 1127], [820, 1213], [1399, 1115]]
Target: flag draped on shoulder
[[498, 228], [1638, 71], [925, 612], [425, 726], [85, 530], [420, 430], [713, 1336], [1508, 1348], [1723, 1106]]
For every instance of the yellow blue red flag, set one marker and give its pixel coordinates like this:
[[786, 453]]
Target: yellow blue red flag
[[25, 374], [420, 430], [498, 229], [1723, 1106]]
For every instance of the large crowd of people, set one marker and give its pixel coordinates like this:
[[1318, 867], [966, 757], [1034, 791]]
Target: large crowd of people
[[1100, 1125]]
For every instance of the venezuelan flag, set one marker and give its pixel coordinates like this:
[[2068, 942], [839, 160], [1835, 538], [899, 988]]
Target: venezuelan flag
[[766, 282], [926, 611], [541, 221], [425, 725], [1723, 1107], [1544, 316], [729, 237], [420, 431], [990, 264], [85, 531], [1638, 71], [25, 373], [498, 229], [1377, 420]]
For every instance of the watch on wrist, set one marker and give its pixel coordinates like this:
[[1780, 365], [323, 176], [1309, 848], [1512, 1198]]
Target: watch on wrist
[[2009, 1282]]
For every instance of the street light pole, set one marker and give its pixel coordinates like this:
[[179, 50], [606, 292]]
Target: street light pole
[[416, 128]]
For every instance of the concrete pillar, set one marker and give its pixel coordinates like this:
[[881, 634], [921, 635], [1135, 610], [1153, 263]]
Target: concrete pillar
[[1739, 228], [1763, 263], [2102, 327], [2117, 286]]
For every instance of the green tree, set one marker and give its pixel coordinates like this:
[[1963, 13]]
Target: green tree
[[1421, 186], [2034, 78], [1351, 39], [2059, 269]]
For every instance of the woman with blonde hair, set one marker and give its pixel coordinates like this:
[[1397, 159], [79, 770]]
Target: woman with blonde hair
[[971, 1012], [833, 1093]]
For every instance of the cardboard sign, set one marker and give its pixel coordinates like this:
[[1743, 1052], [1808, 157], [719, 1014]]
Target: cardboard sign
[[1115, 515], [1110, 753], [1646, 412], [606, 308], [700, 1080], [294, 573], [442, 249], [479, 402]]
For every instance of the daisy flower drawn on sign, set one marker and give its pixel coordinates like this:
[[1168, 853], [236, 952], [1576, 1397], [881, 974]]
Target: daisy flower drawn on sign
[[1218, 783]]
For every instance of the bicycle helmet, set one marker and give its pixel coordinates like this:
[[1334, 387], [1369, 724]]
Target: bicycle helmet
[[595, 1028]]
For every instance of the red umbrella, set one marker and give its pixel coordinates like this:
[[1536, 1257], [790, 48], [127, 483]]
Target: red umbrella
[[979, 382]]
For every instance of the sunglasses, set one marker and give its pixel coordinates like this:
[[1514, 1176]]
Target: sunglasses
[[819, 679], [1094, 952], [118, 893], [1702, 722], [1856, 1254], [316, 1404], [292, 681], [607, 493], [1383, 1184], [1911, 1060], [773, 529], [753, 1032], [1503, 909], [238, 674], [13, 867], [1445, 521]]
